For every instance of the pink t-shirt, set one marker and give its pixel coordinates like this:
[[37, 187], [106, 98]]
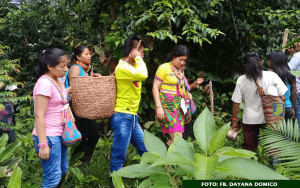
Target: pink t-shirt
[[53, 124]]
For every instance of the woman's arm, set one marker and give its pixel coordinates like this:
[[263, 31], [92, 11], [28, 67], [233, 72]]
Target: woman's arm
[[199, 80], [235, 109], [40, 110], [155, 91], [74, 71], [294, 97]]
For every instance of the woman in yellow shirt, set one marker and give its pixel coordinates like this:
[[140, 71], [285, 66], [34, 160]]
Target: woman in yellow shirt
[[168, 89]]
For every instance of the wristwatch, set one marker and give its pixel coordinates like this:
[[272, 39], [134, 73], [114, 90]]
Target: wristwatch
[[42, 145]]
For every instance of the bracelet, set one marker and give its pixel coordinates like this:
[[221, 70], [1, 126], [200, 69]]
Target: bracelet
[[43, 145], [234, 119], [158, 105]]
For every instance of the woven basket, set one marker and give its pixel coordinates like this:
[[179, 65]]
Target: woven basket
[[94, 97]]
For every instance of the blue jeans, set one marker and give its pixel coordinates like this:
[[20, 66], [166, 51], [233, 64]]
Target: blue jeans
[[288, 114], [125, 129], [57, 165], [297, 110]]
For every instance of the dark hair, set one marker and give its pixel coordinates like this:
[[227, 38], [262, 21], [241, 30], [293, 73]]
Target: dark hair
[[77, 52], [132, 42], [50, 57], [280, 66], [253, 67], [179, 50]]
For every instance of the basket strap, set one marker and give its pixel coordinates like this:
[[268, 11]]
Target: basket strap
[[259, 89]]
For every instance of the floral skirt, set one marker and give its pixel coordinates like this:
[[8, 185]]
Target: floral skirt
[[174, 118]]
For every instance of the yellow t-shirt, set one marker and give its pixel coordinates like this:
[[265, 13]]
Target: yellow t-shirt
[[129, 85], [165, 74]]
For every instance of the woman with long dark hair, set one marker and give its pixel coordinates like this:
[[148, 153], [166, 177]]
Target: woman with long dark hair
[[246, 89], [49, 96], [80, 61], [278, 63], [168, 90]]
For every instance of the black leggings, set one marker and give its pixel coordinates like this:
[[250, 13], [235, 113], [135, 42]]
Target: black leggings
[[90, 136]]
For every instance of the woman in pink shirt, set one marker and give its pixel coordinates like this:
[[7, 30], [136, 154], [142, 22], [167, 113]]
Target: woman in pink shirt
[[48, 128]]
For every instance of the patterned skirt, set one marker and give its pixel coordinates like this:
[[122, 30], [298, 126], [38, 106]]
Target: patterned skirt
[[174, 118]]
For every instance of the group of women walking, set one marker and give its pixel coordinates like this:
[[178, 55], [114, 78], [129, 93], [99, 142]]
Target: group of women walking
[[171, 93]]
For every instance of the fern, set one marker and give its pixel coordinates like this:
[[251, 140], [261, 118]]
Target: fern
[[283, 142]]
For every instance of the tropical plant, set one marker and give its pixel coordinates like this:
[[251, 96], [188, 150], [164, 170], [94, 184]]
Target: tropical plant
[[282, 143], [8, 164], [206, 160], [7, 67], [74, 162]]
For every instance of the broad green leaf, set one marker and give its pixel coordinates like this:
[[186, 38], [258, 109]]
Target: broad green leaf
[[31, 155], [15, 178], [72, 148], [11, 163], [77, 172], [205, 166], [181, 146], [149, 158], [219, 175], [218, 140], [174, 158], [145, 184], [118, 182], [154, 144], [204, 129], [3, 140], [291, 43], [185, 169], [3, 171], [160, 180], [89, 178], [6, 153], [248, 169], [138, 170], [148, 124], [76, 157]]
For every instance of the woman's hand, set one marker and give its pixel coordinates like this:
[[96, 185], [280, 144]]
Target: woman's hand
[[97, 75], [190, 96], [44, 153], [134, 53], [177, 73], [200, 80], [160, 113], [235, 125], [293, 111]]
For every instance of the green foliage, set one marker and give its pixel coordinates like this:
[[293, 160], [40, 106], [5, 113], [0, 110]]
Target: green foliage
[[282, 141], [15, 179], [8, 164], [192, 164]]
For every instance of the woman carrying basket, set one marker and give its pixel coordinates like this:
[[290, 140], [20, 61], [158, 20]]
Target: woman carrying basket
[[80, 60], [48, 129], [168, 90], [246, 89], [130, 72]]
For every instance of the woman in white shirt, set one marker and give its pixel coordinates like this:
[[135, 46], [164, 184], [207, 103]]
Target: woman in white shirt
[[246, 89]]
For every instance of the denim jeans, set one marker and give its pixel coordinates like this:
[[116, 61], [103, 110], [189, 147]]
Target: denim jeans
[[297, 110], [125, 129], [288, 114], [57, 165]]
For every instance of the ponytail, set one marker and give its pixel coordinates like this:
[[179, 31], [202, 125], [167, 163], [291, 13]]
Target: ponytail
[[253, 67], [48, 57]]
